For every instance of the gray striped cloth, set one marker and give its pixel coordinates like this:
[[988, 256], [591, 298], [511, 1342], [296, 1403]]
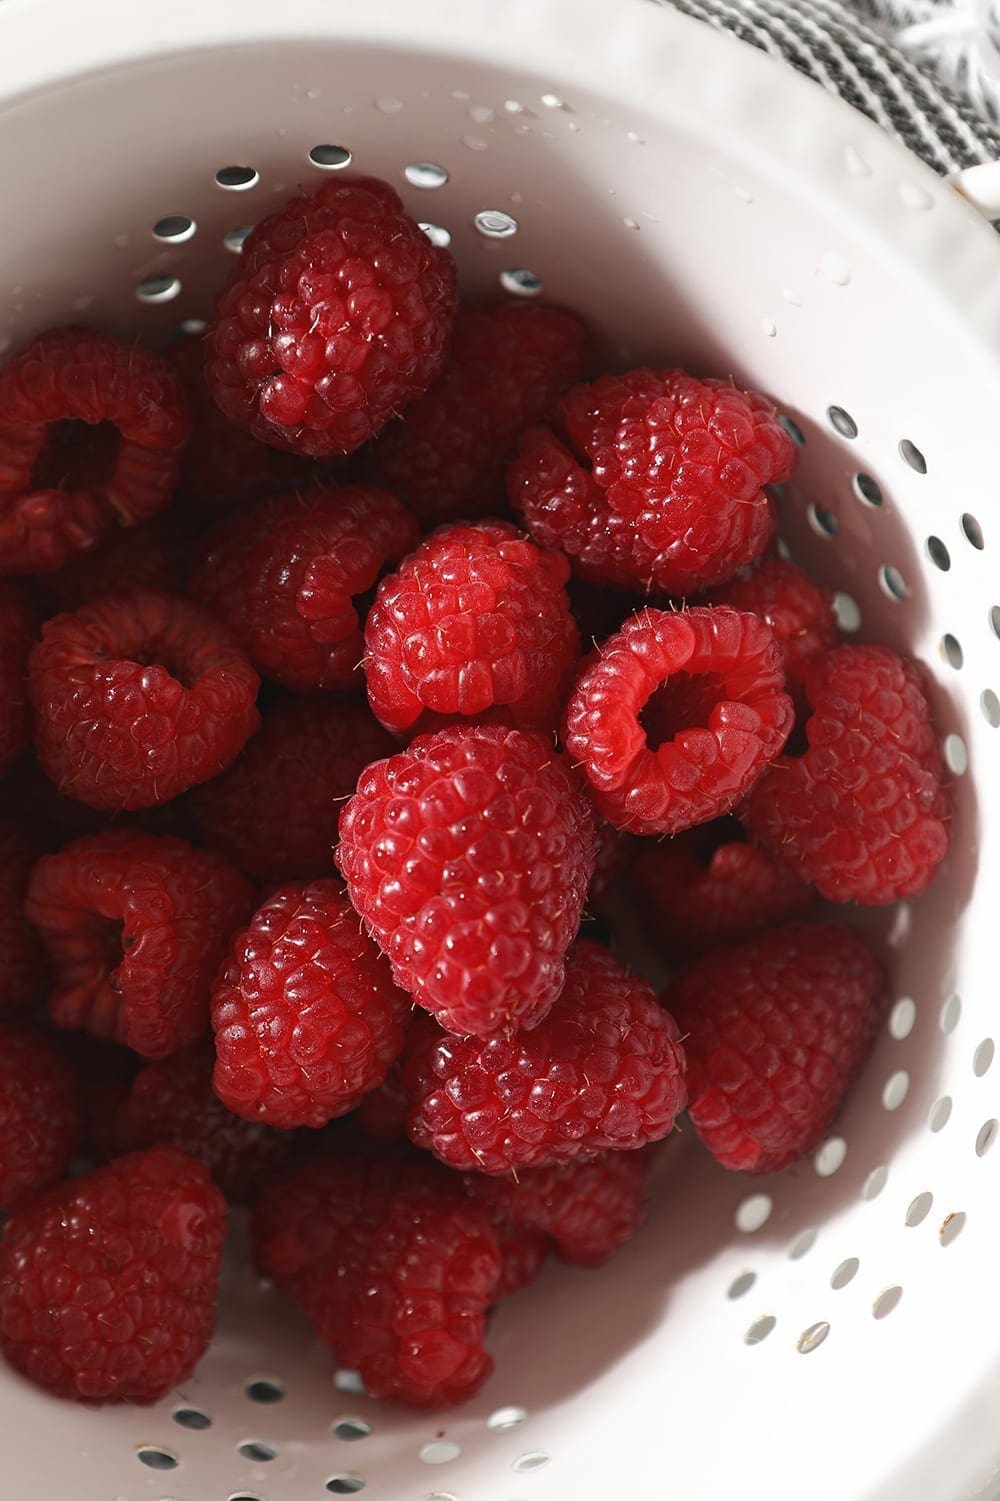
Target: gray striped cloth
[[831, 44]]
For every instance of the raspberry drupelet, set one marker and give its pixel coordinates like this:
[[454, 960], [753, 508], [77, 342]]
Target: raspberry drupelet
[[17, 632], [40, 1124], [91, 435], [677, 716], [286, 573], [476, 618], [469, 856], [799, 611], [135, 927], [137, 698], [654, 480], [338, 314]]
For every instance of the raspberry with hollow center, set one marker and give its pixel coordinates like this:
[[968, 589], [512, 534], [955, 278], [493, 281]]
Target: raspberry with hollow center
[[469, 856], [135, 927], [338, 314], [274, 813], [22, 969], [677, 716], [285, 575], [799, 611], [39, 1116], [774, 1032], [17, 632], [477, 617], [654, 480], [138, 697], [60, 491], [306, 1016], [863, 814], [508, 366], [108, 1284], [603, 1071]]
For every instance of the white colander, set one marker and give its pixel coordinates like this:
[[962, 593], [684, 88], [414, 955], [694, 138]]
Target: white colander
[[832, 1333]]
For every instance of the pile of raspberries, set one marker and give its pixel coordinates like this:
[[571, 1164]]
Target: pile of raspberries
[[352, 658]]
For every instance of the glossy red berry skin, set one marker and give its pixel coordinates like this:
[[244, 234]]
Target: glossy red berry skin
[[40, 1124]]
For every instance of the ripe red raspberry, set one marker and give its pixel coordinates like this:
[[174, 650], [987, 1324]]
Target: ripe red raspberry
[[381, 1113], [136, 927], [138, 697], [589, 1209], [798, 610], [863, 813], [700, 900], [17, 631], [152, 555], [58, 494], [656, 480], [285, 575], [477, 617], [22, 971], [173, 1101], [39, 1115], [469, 856], [508, 366], [274, 813], [523, 1253], [224, 466], [338, 314], [677, 716], [108, 1284], [774, 1032], [603, 1071], [305, 1013]]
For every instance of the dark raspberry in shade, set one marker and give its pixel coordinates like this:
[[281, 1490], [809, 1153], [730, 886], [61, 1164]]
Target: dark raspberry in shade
[[306, 1016], [588, 1209], [469, 856], [108, 1284], [774, 1032], [18, 623], [138, 697], [135, 927], [274, 813], [508, 366], [677, 716], [338, 314], [614, 853], [153, 555], [61, 484], [799, 611], [654, 480], [39, 1115], [381, 1113], [476, 618], [22, 966], [523, 1253], [702, 901], [286, 574], [104, 1072], [603, 1071], [863, 814], [173, 1102]]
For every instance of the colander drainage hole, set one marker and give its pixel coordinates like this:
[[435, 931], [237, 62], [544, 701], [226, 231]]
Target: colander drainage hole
[[830, 1156], [506, 1417], [867, 489], [810, 1339], [349, 1381], [973, 532], [246, 1496], [174, 228], [902, 1017], [345, 1485], [910, 454], [160, 288], [521, 282], [940, 1113], [887, 1300], [951, 1014], [793, 430], [157, 1459], [951, 650], [938, 554], [990, 705], [263, 1390], [987, 1136], [822, 521], [759, 1329], [351, 1429], [533, 1460], [995, 620], [803, 1244], [896, 1089], [956, 755], [191, 1417], [440, 1451], [331, 157], [257, 1451], [918, 1209], [237, 179], [951, 1228], [741, 1284], [847, 611], [842, 422], [437, 234], [982, 1058], [495, 224], [233, 238], [892, 582], [425, 175], [875, 1182], [844, 1273], [753, 1212]]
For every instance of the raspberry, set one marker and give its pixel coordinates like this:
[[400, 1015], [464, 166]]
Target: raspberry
[[39, 1116], [394, 1267], [338, 314], [476, 617], [60, 494], [523, 1253], [469, 856], [224, 466], [698, 903], [173, 1101], [17, 631], [799, 611], [863, 813], [589, 1209], [152, 555], [274, 813], [108, 1284], [657, 480], [775, 1031], [614, 850], [22, 971], [57, 819], [711, 683], [305, 1013], [136, 927], [508, 366], [138, 697], [381, 1112], [603, 1071], [284, 575]]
